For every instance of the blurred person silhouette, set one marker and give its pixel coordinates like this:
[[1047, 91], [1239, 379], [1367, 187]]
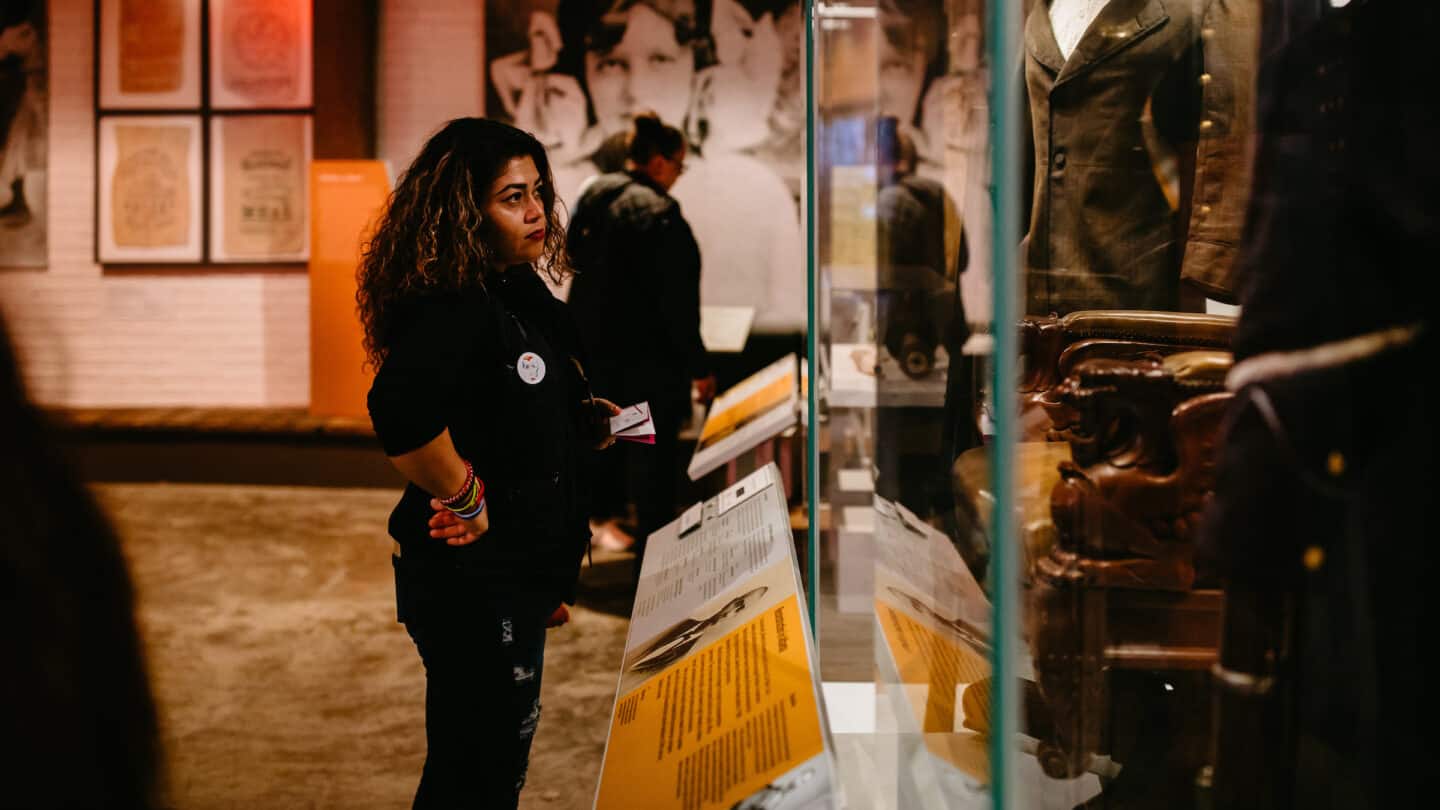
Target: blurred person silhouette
[[76, 718], [636, 300]]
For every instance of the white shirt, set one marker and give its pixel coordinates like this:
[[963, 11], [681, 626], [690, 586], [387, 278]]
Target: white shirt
[[1070, 19]]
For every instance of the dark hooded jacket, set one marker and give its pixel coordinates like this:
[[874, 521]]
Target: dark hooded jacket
[[636, 294]]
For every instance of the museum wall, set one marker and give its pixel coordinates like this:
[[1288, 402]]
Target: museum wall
[[140, 336], [238, 335], [197, 335], [430, 70]]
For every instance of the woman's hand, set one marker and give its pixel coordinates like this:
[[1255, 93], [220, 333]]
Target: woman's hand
[[448, 526], [600, 415], [561, 615]]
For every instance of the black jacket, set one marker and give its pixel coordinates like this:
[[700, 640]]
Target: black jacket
[[636, 294], [1344, 218], [453, 364]]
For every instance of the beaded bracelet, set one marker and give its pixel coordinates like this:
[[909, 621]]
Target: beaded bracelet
[[464, 491], [469, 501], [476, 513], [472, 499]]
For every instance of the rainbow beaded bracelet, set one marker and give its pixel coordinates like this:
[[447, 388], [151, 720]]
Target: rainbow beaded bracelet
[[469, 501]]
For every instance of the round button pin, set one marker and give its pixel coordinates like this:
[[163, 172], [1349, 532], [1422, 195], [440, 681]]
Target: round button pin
[[530, 367]]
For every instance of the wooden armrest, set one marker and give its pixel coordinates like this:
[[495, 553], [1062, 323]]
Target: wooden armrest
[[1172, 328], [1052, 347]]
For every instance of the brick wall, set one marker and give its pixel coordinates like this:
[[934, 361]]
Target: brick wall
[[90, 337], [430, 64]]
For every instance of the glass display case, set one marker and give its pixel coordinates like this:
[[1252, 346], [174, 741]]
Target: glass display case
[[901, 303], [1060, 474]]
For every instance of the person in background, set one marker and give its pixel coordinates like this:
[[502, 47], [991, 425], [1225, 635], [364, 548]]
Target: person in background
[[77, 720], [481, 401], [636, 298]]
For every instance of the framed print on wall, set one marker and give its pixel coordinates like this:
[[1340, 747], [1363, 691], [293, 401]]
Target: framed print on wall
[[259, 188], [150, 200], [260, 54], [149, 54]]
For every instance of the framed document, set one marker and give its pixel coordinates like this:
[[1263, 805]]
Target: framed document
[[260, 54], [150, 189], [149, 54], [259, 181]]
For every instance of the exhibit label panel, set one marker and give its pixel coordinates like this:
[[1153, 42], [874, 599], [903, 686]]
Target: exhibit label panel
[[719, 702], [934, 622], [759, 407]]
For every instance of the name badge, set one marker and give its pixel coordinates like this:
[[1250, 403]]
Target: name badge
[[530, 367]]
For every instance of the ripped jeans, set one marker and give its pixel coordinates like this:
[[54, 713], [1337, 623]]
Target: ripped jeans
[[483, 655]]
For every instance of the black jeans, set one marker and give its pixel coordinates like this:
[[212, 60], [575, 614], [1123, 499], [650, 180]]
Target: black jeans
[[653, 475], [483, 654]]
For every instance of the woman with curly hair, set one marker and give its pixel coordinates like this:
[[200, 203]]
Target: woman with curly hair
[[480, 400]]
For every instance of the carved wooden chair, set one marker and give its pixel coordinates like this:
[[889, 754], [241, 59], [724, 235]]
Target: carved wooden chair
[[1121, 413], [1120, 590], [1050, 349]]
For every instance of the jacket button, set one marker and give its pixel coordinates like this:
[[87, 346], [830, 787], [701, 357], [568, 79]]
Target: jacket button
[[1058, 161], [1204, 210], [1206, 125], [1204, 78]]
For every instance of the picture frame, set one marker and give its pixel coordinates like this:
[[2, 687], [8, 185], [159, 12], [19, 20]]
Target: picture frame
[[150, 174], [261, 54], [149, 55], [259, 188]]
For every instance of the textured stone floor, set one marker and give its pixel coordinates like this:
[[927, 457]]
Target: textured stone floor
[[282, 678]]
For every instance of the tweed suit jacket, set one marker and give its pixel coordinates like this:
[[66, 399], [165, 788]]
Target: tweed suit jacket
[[1140, 171]]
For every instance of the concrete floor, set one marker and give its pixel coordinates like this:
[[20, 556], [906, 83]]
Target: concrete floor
[[282, 678]]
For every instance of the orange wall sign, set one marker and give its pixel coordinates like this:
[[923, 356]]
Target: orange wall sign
[[347, 196]]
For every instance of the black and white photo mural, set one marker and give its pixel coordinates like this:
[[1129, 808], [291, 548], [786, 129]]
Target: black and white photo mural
[[728, 73], [23, 121]]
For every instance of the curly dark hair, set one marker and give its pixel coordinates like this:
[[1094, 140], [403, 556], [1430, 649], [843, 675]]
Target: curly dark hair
[[432, 237]]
